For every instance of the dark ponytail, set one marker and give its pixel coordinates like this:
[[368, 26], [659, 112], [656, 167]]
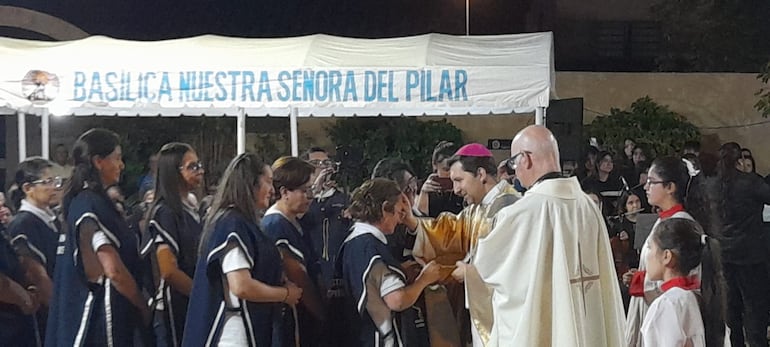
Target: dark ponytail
[[712, 293], [92, 143], [692, 247]]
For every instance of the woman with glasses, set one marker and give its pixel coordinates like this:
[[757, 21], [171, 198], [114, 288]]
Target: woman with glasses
[[292, 181], [677, 190], [34, 234], [174, 233], [239, 293], [96, 300]]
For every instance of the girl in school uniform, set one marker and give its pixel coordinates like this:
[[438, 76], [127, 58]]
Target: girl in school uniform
[[34, 231], [240, 296], [684, 315], [174, 233], [679, 193], [18, 301]]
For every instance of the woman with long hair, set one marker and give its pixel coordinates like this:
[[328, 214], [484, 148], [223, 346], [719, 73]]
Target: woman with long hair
[[372, 275], [292, 181], [678, 192], [96, 300], [174, 233], [623, 231], [687, 313], [239, 288], [34, 231], [744, 249]]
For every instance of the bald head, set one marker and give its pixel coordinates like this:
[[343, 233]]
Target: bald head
[[538, 153]]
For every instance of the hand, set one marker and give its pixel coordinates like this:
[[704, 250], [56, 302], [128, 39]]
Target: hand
[[29, 304], [430, 273], [411, 270], [459, 273], [294, 294], [406, 215], [628, 276], [430, 186], [623, 235], [323, 181]]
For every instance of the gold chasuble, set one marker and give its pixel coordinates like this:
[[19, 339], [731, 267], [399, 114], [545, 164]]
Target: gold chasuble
[[450, 238]]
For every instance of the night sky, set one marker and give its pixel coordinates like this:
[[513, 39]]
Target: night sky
[[164, 19]]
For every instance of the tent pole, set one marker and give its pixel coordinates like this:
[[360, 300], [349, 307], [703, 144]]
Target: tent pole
[[22, 136], [45, 138], [540, 116], [293, 127], [241, 130]]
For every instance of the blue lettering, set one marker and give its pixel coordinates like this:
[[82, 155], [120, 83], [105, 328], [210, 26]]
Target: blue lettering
[[381, 85], [285, 93], [233, 83], [461, 78], [206, 85], [350, 87], [307, 85], [321, 85], [426, 86], [147, 77], [264, 87], [248, 84], [79, 91], [412, 82], [445, 87], [391, 95], [165, 87], [184, 86], [221, 95], [96, 87], [296, 85], [370, 86], [112, 93], [335, 80]]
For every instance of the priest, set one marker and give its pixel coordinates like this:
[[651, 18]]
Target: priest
[[547, 259], [450, 238]]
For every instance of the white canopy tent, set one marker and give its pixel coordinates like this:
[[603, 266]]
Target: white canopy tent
[[316, 75]]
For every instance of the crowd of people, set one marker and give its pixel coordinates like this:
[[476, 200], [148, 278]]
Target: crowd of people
[[480, 252]]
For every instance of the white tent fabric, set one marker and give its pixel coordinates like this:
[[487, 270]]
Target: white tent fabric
[[319, 75]]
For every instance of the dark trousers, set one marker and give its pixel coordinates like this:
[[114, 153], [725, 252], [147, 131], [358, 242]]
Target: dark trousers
[[748, 287]]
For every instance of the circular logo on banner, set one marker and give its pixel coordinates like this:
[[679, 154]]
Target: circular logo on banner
[[495, 144], [40, 86]]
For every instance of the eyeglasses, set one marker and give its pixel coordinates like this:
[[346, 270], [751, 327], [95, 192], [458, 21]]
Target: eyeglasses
[[56, 182], [512, 160], [194, 167], [651, 182]]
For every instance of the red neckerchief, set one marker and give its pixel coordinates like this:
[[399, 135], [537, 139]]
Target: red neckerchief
[[670, 212], [686, 283], [636, 287]]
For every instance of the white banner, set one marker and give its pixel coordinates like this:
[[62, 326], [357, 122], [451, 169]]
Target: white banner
[[320, 75]]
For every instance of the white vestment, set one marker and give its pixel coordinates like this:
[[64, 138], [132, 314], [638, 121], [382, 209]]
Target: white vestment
[[549, 263]]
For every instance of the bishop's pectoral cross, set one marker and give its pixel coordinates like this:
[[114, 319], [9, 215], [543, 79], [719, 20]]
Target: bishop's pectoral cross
[[584, 279]]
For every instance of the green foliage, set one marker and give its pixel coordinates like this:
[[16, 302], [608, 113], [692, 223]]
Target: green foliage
[[394, 137], [763, 104], [648, 123]]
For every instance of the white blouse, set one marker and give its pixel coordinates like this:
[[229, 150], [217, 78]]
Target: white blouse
[[674, 320]]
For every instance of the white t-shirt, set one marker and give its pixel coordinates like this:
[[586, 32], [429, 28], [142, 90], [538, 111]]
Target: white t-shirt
[[381, 282], [674, 319], [233, 333]]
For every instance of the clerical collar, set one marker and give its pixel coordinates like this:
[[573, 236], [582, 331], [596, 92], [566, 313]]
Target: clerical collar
[[670, 212], [492, 193], [548, 176], [46, 215], [360, 228], [684, 282]]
